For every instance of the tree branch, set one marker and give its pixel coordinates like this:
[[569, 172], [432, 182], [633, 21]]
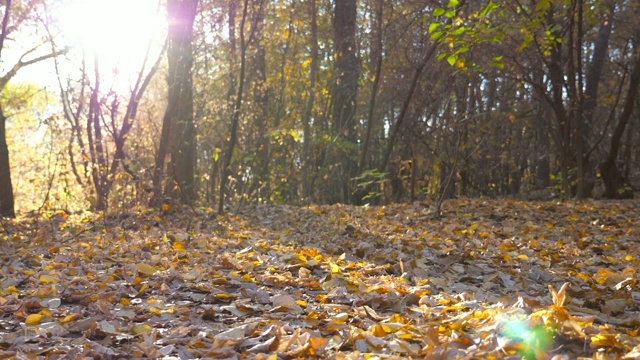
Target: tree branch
[[20, 64]]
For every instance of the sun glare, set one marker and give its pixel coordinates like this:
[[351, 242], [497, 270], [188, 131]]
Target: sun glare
[[115, 32]]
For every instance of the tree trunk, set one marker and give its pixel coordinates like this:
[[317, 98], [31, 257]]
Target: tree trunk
[[615, 184], [344, 97], [233, 128], [183, 157], [589, 102], [260, 163], [6, 188], [178, 137], [376, 57], [306, 120], [405, 107]]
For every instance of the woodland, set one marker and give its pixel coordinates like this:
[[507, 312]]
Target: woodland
[[345, 179]]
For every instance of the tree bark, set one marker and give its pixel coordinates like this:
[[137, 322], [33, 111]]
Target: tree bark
[[615, 184], [6, 187], [588, 102], [344, 95], [178, 137]]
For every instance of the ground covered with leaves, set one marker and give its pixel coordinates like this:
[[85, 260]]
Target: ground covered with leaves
[[489, 279]]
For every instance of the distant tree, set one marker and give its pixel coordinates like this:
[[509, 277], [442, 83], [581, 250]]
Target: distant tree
[[615, 182], [14, 17], [100, 127], [246, 38]]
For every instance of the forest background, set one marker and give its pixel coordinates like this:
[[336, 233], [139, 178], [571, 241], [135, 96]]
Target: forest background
[[150, 113], [317, 102]]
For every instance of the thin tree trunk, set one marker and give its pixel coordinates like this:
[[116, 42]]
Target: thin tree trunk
[[377, 55], [588, 102], [615, 184], [233, 130], [306, 120], [405, 107], [344, 96]]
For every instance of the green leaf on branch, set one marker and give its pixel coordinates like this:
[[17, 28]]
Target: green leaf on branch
[[452, 59], [433, 27], [489, 9], [438, 11], [453, 3], [459, 31]]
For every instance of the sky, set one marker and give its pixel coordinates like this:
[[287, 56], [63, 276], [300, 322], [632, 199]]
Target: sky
[[115, 32]]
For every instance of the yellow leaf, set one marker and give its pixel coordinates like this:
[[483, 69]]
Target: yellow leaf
[[606, 277], [177, 246], [10, 290], [559, 296], [143, 289], [605, 340], [225, 297], [453, 308], [378, 331], [146, 269], [584, 277], [155, 311], [47, 279], [391, 327], [335, 269], [141, 329], [34, 319], [340, 319], [318, 343], [523, 257], [69, 318], [247, 278]]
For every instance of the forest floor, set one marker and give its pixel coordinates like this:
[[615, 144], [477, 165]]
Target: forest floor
[[495, 279]]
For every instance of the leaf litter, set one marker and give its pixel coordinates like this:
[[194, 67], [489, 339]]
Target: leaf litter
[[497, 279]]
